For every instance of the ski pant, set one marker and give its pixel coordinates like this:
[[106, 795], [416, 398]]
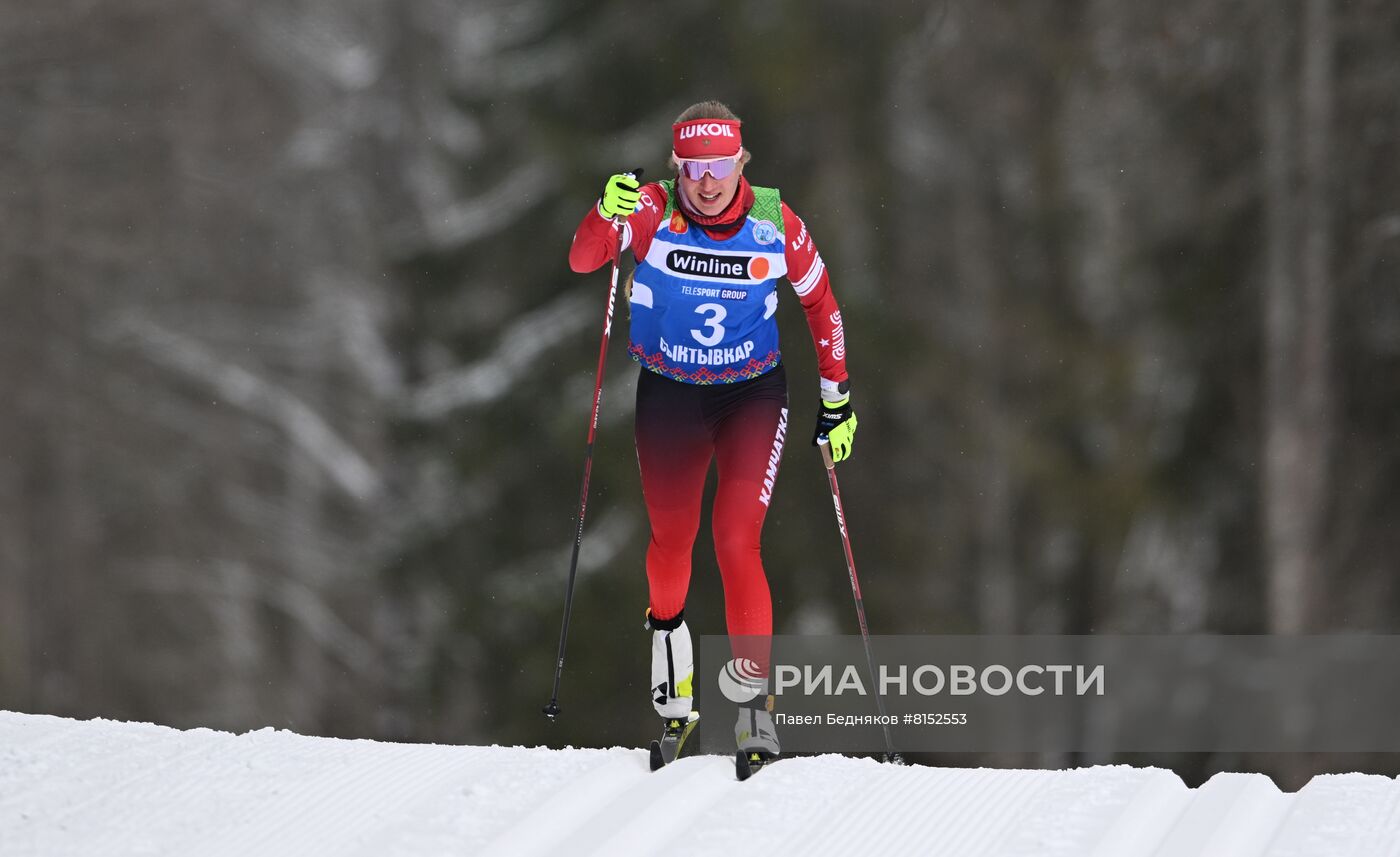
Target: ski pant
[[680, 428]]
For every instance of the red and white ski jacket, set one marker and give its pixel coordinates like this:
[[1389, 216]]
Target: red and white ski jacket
[[595, 243]]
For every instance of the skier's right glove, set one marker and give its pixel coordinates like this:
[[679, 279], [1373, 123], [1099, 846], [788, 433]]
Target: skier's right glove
[[620, 195]]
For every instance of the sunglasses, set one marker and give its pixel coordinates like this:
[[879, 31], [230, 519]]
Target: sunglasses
[[721, 168]]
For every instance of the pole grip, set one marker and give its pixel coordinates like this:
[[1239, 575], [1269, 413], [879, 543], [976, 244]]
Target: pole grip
[[824, 444]]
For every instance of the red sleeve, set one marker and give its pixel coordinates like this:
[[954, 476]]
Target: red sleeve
[[595, 242], [808, 277]]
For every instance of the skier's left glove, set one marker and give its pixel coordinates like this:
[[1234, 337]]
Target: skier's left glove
[[837, 423]]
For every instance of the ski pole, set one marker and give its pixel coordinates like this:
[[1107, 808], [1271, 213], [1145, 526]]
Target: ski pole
[[825, 446], [552, 709]]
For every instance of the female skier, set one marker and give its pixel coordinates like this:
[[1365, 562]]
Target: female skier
[[709, 249]]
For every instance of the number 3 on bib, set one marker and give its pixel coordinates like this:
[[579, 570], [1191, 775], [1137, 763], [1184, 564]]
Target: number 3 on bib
[[715, 314]]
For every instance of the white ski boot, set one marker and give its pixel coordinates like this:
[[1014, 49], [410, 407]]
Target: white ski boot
[[672, 686], [756, 736]]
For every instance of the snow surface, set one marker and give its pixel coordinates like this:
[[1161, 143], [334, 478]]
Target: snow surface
[[103, 788]]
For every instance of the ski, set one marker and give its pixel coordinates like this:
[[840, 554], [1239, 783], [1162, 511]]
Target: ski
[[747, 763], [665, 749]]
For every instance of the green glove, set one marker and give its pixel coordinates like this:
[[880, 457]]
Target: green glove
[[620, 195], [837, 423]]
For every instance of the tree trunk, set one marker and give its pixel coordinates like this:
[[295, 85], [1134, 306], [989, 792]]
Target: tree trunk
[[995, 575], [1298, 316]]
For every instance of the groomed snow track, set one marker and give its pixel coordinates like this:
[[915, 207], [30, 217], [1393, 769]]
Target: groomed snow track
[[104, 788]]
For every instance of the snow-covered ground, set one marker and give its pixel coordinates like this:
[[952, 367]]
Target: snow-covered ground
[[103, 788]]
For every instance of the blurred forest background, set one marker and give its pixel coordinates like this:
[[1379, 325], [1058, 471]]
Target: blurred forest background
[[295, 376]]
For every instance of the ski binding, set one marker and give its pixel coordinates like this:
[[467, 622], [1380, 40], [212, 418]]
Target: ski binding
[[665, 749], [749, 762]]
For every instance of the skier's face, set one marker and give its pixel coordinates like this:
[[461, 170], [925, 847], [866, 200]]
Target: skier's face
[[709, 195]]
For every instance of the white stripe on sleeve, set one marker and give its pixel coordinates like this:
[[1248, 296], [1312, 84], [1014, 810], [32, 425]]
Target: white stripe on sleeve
[[809, 282]]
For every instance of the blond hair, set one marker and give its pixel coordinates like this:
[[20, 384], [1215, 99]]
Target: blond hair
[[708, 110]]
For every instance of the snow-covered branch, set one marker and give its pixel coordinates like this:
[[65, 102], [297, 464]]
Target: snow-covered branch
[[257, 396], [522, 344]]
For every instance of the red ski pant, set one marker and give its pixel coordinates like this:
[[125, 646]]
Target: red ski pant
[[680, 429]]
